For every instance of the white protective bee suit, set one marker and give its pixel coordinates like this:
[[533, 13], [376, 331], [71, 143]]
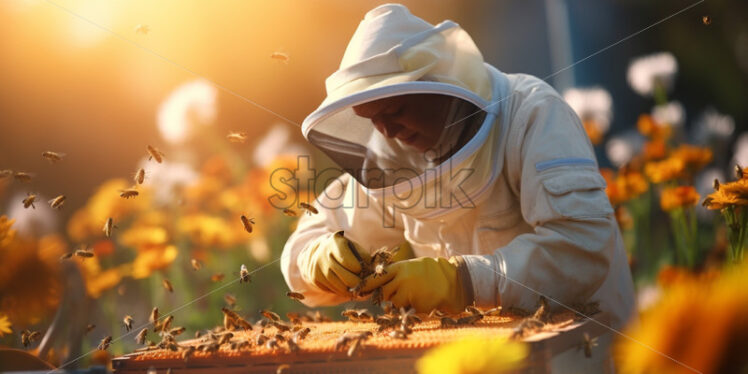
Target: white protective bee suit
[[522, 201]]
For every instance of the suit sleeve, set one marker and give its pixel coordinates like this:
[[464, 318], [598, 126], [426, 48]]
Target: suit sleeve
[[552, 168]]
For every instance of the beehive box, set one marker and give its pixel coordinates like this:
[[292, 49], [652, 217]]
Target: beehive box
[[562, 336]]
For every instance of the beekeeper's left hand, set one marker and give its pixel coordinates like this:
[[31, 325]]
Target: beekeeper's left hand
[[424, 283]]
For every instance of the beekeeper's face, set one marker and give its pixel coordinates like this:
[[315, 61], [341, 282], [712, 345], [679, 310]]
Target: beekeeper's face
[[416, 119]]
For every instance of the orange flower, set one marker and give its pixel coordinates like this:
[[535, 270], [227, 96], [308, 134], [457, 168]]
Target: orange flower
[[729, 194], [694, 158], [654, 150], [648, 127], [627, 185], [678, 197], [665, 170], [699, 323]]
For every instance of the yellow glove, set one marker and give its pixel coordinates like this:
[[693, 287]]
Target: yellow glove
[[425, 284], [332, 264]]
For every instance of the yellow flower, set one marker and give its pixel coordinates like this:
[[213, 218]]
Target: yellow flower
[[6, 233], [678, 197], [152, 259], [5, 326], [665, 170], [698, 323], [474, 355], [729, 194], [209, 231]]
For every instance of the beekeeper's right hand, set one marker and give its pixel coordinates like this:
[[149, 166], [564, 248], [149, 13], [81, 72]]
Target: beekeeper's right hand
[[331, 264]]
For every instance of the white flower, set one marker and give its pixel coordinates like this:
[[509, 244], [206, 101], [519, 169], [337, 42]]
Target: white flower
[[190, 104], [274, 144], [591, 104], [670, 114], [620, 149], [645, 72], [165, 178], [32, 222], [712, 124]]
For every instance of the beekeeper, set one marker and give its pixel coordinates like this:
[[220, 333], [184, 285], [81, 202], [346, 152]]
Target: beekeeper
[[486, 180]]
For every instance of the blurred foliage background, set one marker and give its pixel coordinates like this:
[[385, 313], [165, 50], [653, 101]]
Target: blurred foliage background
[[100, 80]]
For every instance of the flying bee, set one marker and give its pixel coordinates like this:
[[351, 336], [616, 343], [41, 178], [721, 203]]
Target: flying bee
[[127, 322], [309, 208], [109, 226], [57, 202], [236, 137], [270, 315], [128, 193], [89, 328], [244, 274], [139, 177], [167, 285], [104, 344], [217, 277], [706, 20], [84, 253], [587, 345], [247, 222], [22, 176], [196, 265], [66, 256], [166, 323], [140, 338], [229, 299], [29, 200], [289, 212], [295, 295], [153, 318], [53, 157], [280, 56], [154, 154]]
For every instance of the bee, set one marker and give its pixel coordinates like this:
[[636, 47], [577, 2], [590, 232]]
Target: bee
[[282, 368], [187, 352], [167, 285], [301, 334], [527, 325], [196, 265], [166, 323], [217, 277], [84, 253], [108, 227], [243, 324], [22, 176], [247, 222], [272, 343], [236, 137], [128, 193], [261, 339], [543, 311], [270, 315], [587, 345], [142, 29], [280, 56], [469, 320], [139, 177], [66, 256], [140, 338], [738, 172], [289, 212], [244, 274], [706, 20], [104, 344], [127, 322], [295, 295], [309, 208], [57, 202], [177, 331], [89, 328], [715, 184], [436, 313], [154, 154], [229, 299], [6, 173], [225, 338], [29, 200], [154, 317], [28, 337], [281, 326], [448, 322], [53, 157]]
